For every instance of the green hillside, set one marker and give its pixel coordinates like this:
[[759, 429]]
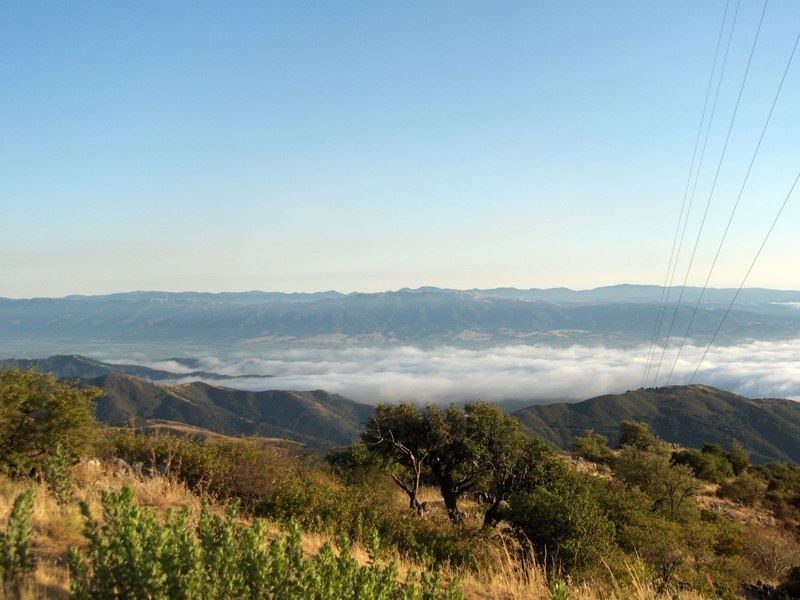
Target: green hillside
[[316, 418], [687, 415]]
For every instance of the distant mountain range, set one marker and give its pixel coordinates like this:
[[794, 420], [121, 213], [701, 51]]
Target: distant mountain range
[[617, 315], [687, 415]]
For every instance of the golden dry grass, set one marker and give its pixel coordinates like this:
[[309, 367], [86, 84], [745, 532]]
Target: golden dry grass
[[58, 527]]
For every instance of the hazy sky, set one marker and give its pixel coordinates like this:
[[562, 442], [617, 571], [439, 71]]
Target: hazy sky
[[301, 146]]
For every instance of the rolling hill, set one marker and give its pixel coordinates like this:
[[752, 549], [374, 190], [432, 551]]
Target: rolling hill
[[315, 418], [686, 415]]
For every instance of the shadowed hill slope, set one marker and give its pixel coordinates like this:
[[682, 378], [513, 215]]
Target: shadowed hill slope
[[687, 415], [316, 418]]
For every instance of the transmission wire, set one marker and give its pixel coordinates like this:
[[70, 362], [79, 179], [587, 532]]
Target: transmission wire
[[736, 204], [716, 175], [744, 279], [694, 190], [662, 303]]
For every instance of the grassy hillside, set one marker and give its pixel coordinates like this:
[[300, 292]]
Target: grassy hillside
[[687, 415], [315, 418], [633, 523]]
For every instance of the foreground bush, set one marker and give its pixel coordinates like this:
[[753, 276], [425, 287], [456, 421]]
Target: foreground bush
[[133, 555], [16, 552], [37, 412], [321, 504], [222, 468]]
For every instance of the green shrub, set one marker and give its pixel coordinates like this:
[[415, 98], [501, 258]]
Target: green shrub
[[244, 468], [636, 434], [746, 488], [565, 522], [738, 457], [671, 488], [56, 475], [16, 548], [558, 590], [356, 464], [321, 504], [592, 446], [132, 555], [36, 413], [706, 465]]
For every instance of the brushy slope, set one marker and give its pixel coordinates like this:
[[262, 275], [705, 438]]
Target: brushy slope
[[686, 415]]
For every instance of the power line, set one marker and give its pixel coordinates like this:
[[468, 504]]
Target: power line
[[694, 190], [719, 168], [736, 204], [662, 303], [744, 279]]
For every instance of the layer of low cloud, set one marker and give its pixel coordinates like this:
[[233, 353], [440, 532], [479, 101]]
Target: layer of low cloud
[[517, 373]]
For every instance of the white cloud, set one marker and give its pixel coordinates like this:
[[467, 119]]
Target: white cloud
[[519, 372]]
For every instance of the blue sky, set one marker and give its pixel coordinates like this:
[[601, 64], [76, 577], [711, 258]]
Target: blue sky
[[368, 146]]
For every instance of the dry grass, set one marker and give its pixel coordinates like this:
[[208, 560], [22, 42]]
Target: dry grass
[[508, 580], [58, 527]]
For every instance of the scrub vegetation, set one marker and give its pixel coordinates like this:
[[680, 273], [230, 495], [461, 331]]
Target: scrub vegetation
[[432, 502]]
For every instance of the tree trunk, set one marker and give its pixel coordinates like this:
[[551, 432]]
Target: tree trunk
[[492, 516], [410, 490], [451, 503]]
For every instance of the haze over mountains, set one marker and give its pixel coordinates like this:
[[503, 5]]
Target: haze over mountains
[[618, 315], [429, 344]]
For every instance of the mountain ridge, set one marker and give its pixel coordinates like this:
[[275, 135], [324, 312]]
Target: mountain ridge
[[687, 415], [315, 418], [611, 315]]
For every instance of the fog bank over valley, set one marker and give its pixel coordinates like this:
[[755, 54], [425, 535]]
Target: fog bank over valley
[[519, 373], [431, 344]]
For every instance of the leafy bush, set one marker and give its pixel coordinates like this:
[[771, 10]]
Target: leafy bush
[[56, 475], [707, 465], [783, 489], [36, 413], [16, 551], [671, 488], [738, 457], [558, 590], [320, 504], [746, 488], [592, 446], [636, 434], [242, 468], [356, 463], [132, 555], [565, 522]]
